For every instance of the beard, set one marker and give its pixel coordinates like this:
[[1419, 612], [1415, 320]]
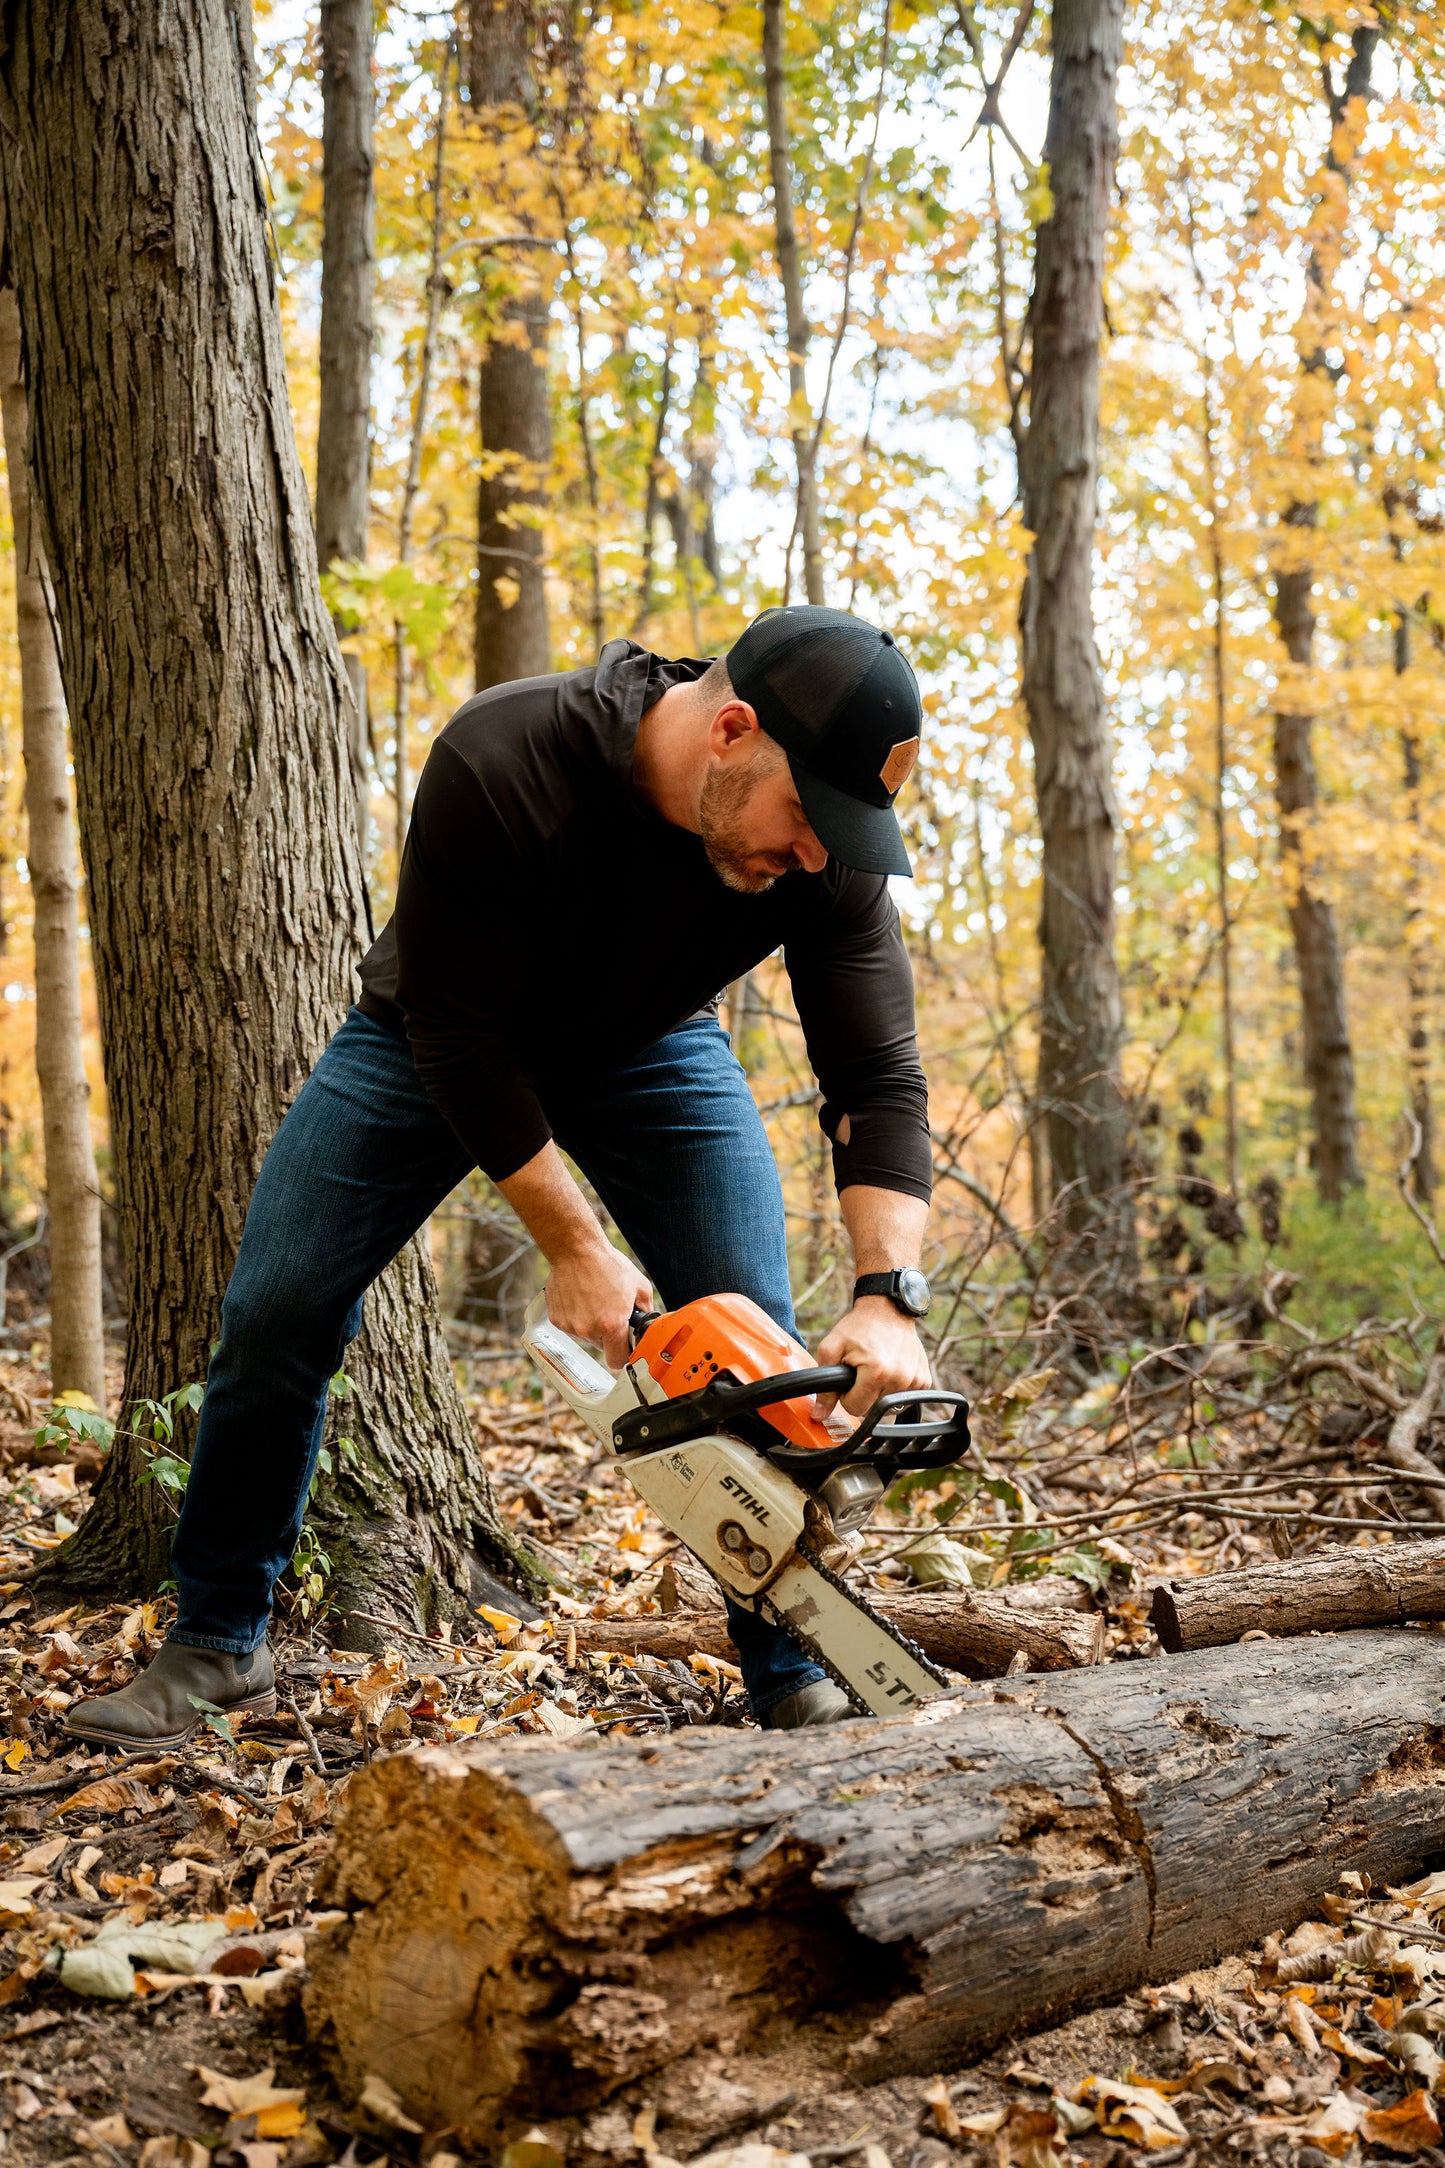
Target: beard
[[721, 811]]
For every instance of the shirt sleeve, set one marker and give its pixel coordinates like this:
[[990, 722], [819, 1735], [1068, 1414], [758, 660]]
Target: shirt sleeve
[[853, 985], [457, 976]]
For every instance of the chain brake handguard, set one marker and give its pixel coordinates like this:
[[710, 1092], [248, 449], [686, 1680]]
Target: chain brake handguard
[[725, 1403]]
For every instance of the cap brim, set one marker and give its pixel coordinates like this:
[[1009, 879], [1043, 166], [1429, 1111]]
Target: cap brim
[[863, 836]]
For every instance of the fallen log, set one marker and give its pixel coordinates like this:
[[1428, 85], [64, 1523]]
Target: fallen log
[[968, 1630], [1327, 1592], [532, 1927]]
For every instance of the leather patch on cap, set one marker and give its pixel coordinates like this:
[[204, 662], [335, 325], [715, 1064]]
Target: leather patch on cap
[[897, 768]]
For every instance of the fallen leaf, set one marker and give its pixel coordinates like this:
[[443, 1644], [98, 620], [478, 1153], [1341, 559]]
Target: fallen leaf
[[109, 1795], [15, 1904], [15, 1753], [1348, 2048], [503, 1625], [537, 2150], [42, 1857], [751, 2156], [239, 1962], [945, 2115], [1135, 2112], [280, 2110], [107, 2130], [173, 2153], [1409, 2127], [380, 2099], [1332, 2127]]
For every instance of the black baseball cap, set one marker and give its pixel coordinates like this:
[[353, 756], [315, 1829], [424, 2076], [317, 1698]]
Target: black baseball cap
[[840, 698]]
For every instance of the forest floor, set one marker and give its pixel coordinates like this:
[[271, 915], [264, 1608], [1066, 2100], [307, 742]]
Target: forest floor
[[155, 1916]]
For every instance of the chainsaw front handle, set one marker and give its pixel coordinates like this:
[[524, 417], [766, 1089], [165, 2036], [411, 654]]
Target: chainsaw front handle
[[920, 1443]]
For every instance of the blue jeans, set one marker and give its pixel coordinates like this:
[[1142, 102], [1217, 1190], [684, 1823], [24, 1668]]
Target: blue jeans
[[674, 1147]]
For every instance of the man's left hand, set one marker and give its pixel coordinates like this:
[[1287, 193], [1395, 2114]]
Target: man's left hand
[[884, 1348]]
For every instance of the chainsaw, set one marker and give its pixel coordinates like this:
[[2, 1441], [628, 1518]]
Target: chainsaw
[[713, 1420]]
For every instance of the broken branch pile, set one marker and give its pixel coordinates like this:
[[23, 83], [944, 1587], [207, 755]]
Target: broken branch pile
[[532, 1929]]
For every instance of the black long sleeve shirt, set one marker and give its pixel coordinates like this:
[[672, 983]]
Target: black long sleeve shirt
[[548, 923]]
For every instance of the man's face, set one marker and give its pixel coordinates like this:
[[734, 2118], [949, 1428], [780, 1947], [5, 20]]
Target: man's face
[[753, 826]]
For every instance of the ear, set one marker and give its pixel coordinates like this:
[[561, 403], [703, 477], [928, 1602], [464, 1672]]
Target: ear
[[734, 731]]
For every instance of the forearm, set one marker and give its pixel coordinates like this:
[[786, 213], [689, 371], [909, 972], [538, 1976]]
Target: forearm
[[884, 1226], [552, 1208]]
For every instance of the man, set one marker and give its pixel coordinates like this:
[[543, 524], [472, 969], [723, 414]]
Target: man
[[590, 857]]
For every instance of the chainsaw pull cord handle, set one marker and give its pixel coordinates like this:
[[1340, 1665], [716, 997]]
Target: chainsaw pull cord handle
[[638, 1323]]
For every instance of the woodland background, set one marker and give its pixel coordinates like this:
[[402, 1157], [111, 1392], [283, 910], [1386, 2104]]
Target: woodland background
[[661, 315], [660, 491], [638, 322]]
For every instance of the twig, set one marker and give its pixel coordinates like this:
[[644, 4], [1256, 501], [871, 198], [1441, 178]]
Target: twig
[[1401, 1449], [1405, 1179], [1403, 1928], [408, 1633], [73, 1781], [312, 1749]]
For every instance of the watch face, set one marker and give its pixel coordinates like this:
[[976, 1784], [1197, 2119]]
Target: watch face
[[915, 1291]]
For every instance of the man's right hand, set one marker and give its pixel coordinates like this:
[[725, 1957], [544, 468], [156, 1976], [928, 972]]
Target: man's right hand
[[592, 1294], [593, 1289]]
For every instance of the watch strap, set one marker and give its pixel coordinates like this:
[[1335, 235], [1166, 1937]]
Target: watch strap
[[877, 1283]]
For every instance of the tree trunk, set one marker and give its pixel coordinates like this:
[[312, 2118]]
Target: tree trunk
[[1328, 1055], [790, 268], [1081, 1020], [1417, 950], [535, 1927], [208, 712], [1331, 1589], [513, 638], [72, 1191], [348, 270], [976, 1632]]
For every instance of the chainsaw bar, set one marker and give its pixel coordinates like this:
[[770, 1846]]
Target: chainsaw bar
[[905, 1693]]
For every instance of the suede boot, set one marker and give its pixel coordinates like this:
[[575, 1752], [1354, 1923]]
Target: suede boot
[[158, 1709], [821, 1702]]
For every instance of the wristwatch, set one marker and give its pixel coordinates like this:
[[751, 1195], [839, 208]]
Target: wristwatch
[[908, 1290]]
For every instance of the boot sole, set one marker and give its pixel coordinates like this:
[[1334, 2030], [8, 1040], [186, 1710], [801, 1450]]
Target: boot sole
[[257, 1705]]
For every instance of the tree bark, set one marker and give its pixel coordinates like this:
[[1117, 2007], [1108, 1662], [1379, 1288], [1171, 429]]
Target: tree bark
[[534, 1927], [800, 331], [977, 1633], [208, 713], [72, 1190], [348, 273], [1328, 1054], [513, 637], [1081, 1022], [1330, 1590]]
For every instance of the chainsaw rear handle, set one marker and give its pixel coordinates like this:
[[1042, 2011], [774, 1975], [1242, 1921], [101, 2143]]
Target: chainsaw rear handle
[[920, 1443]]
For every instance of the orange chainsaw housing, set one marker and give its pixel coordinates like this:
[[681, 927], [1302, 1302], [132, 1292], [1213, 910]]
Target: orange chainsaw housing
[[687, 1348]]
